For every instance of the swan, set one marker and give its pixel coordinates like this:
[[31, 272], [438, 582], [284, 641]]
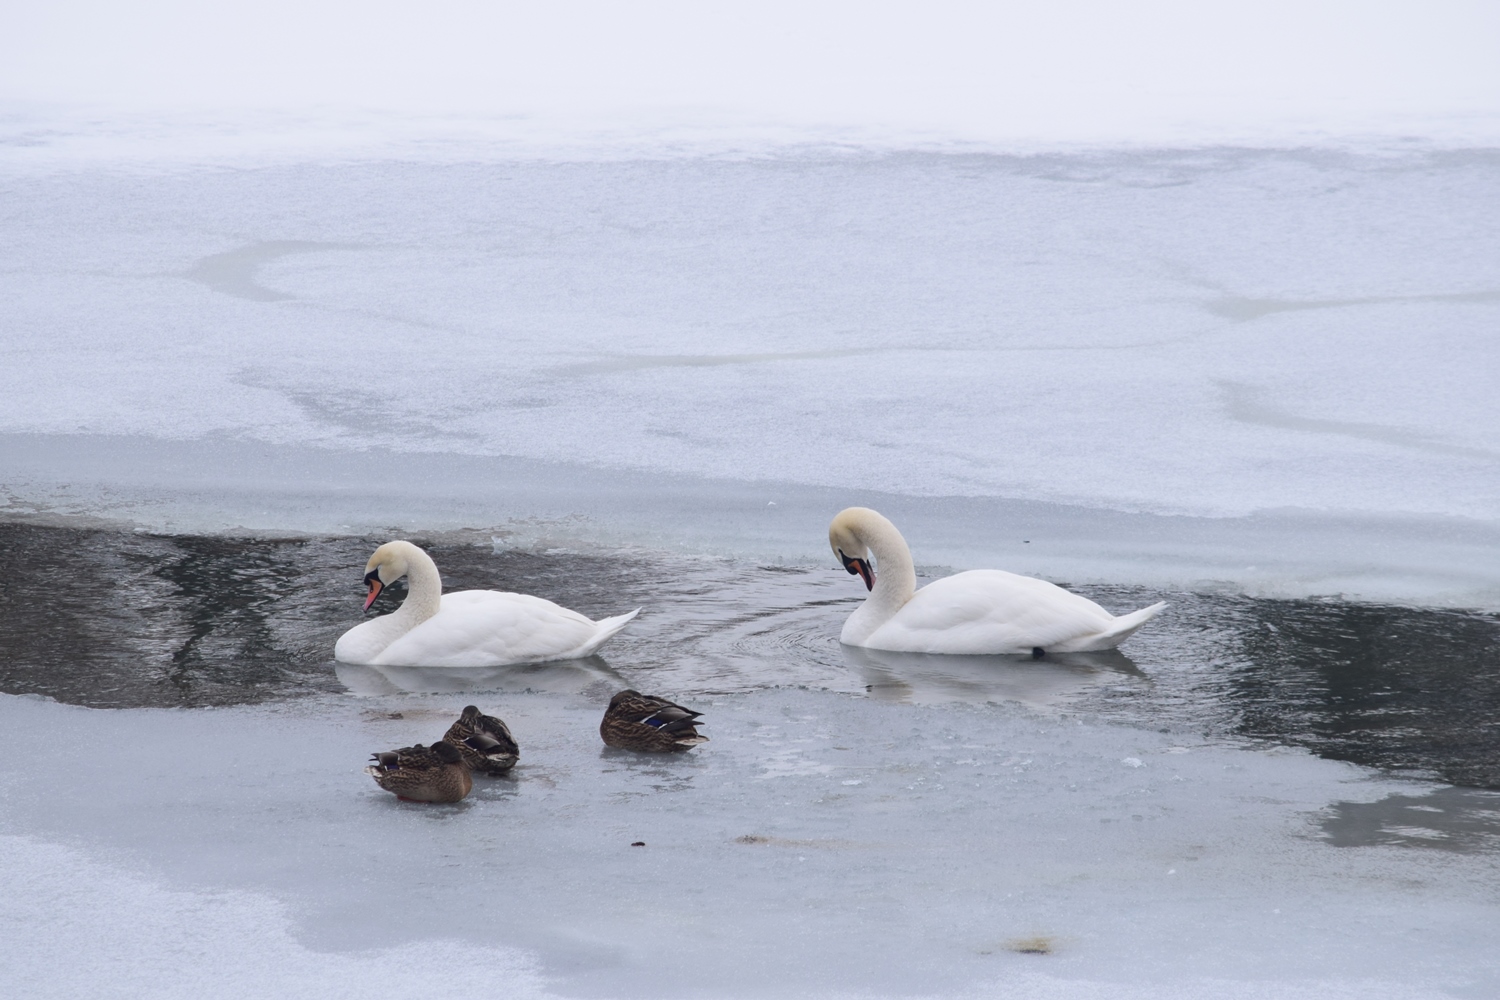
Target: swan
[[983, 611], [467, 628]]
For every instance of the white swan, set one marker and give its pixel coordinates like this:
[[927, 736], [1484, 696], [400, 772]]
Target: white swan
[[467, 628], [981, 611]]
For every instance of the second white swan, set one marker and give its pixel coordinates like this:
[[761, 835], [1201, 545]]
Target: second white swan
[[978, 612], [467, 628]]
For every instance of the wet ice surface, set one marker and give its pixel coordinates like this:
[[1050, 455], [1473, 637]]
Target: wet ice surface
[[822, 843], [1143, 823]]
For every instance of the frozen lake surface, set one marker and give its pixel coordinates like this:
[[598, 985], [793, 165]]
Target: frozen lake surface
[[1267, 368], [822, 844], [1255, 382], [1148, 823]]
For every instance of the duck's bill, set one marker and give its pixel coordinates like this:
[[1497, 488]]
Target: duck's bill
[[860, 568], [375, 588]]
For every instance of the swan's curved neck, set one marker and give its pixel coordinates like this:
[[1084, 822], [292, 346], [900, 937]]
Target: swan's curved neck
[[895, 578], [424, 588]]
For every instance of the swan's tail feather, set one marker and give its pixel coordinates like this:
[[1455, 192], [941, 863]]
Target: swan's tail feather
[[1125, 625], [607, 627]]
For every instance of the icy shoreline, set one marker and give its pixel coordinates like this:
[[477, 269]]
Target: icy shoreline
[[233, 487]]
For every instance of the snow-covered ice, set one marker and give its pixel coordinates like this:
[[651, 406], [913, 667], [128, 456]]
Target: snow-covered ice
[[1212, 333], [1265, 345]]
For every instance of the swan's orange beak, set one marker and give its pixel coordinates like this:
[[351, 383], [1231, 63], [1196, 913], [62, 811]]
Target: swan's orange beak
[[859, 567], [373, 579]]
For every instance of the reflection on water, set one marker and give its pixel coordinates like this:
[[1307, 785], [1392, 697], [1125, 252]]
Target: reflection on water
[[111, 618], [1448, 819], [118, 619], [1405, 688], [925, 678], [571, 676]]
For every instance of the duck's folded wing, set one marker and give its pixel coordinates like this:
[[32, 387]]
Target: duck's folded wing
[[672, 718], [989, 611], [497, 730]]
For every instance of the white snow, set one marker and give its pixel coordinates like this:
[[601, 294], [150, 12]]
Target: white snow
[[1220, 335]]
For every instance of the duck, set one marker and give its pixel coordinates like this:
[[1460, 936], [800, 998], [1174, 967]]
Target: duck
[[979, 612], [466, 628], [648, 724], [483, 741], [422, 774]]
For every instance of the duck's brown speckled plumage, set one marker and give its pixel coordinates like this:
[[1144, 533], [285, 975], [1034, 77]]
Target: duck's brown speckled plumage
[[484, 741], [422, 774], [636, 721]]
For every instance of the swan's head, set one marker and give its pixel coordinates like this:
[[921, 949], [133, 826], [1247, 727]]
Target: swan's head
[[386, 566], [848, 543]]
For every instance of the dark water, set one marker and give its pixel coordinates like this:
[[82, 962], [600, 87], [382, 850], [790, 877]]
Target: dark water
[[114, 619]]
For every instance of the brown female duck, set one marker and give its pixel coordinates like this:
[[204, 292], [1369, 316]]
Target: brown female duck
[[636, 721], [484, 742], [422, 774]]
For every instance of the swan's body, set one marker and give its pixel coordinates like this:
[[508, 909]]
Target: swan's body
[[983, 611], [467, 628]]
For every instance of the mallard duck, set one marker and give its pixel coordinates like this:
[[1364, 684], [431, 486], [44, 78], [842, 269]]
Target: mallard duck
[[422, 774], [484, 741], [636, 721]]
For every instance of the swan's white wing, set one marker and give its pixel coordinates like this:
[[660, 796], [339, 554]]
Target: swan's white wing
[[989, 611], [487, 628], [363, 642]]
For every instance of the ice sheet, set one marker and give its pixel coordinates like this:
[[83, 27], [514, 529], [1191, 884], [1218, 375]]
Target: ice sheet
[[218, 485], [1212, 335], [80, 926], [821, 844]]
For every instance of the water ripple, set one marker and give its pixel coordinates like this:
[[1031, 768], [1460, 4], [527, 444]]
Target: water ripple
[[119, 619]]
